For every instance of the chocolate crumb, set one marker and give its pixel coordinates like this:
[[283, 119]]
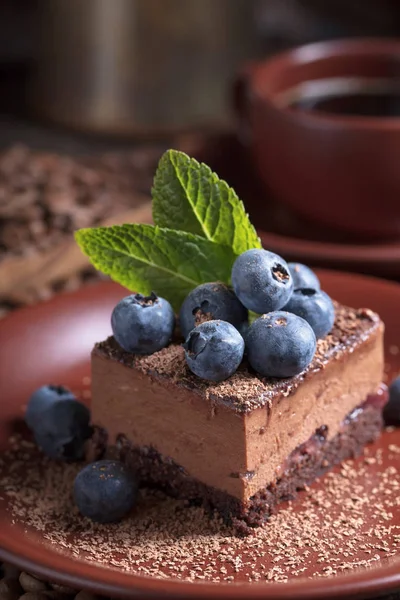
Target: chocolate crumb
[[346, 521]]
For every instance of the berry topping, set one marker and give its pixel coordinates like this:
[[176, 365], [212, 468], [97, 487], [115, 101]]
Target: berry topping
[[214, 350], [303, 276], [143, 324], [59, 422], [315, 307], [105, 491], [261, 280], [280, 344], [391, 412], [208, 302]]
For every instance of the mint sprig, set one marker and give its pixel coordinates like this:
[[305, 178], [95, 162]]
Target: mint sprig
[[146, 258], [200, 228], [188, 196]]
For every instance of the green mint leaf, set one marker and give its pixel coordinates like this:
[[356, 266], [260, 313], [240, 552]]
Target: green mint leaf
[[144, 258], [188, 196], [253, 316]]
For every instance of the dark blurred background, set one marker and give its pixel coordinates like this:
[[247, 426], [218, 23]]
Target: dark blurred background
[[134, 68], [93, 91]]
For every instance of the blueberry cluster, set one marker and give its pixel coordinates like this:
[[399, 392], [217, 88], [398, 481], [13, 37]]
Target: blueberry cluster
[[105, 491], [280, 343], [214, 320]]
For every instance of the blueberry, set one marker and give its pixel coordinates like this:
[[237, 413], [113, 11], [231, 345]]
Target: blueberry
[[280, 344], [143, 324], [59, 422], [303, 276], [214, 350], [261, 280], [42, 399], [391, 412], [209, 302], [105, 491], [315, 307]]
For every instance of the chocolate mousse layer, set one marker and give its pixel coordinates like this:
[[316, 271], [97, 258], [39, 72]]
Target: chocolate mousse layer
[[235, 436], [307, 462]]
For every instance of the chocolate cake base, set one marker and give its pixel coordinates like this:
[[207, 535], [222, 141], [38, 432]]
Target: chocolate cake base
[[307, 462]]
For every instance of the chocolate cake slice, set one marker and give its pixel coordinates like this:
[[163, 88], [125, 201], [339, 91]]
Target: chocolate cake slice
[[245, 444]]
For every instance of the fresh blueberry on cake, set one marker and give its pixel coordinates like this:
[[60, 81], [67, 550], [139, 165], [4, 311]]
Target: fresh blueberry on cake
[[280, 344], [214, 350], [262, 280], [303, 276], [315, 307], [208, 302], [143, 324]]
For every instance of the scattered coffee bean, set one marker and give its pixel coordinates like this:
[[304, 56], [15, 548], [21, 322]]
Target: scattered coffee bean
[[29, 583], [10, 589], [86, 596], [63, 589]]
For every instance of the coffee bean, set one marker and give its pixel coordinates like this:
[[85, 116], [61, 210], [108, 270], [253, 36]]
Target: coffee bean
[[86, 596], [29, 583], [63, 589], [34, 596], [10, 589]]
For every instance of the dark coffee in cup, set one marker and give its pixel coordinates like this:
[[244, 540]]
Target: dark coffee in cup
[[346, 96]]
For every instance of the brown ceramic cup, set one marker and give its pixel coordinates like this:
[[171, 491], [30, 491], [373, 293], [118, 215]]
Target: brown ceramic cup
[[339, 170]]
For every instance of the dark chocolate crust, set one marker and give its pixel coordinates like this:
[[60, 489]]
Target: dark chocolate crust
[[302, 467], [245, 390]]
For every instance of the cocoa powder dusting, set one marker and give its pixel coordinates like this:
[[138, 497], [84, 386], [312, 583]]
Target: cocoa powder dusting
[[245, 390]]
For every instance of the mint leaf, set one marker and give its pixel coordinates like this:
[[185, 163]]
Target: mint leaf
[[187, 195], [144, 258], [253, 316]]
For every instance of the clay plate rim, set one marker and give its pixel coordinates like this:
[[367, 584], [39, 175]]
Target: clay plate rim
[[33, 329]]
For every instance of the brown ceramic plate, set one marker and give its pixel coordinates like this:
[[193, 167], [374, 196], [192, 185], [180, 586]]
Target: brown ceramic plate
[[52, 341]]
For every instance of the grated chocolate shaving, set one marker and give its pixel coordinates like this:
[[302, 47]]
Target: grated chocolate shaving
[[348, 520], [245, 390]]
